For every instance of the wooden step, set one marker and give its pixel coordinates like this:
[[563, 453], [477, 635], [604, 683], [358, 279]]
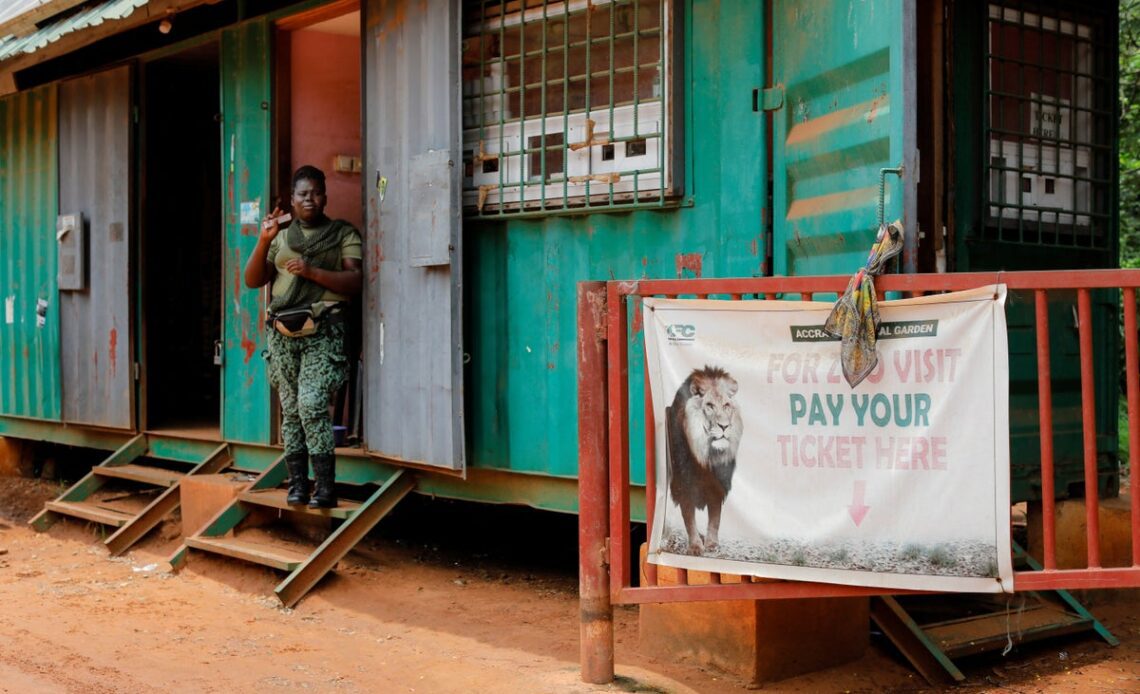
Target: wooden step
[[157, 476], [275, 556], [275, 498], [983, 633], [89, 512]]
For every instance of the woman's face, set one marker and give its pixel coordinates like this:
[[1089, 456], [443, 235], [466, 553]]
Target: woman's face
[[309, 201]]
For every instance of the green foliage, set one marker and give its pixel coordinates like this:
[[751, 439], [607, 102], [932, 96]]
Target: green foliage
[[1130, 133]]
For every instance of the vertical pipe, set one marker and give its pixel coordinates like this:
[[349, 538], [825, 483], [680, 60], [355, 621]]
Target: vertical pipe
[[1045, 405], [596, 612], [650, 470], [617, 379], [1088, 418], [1132, 376]]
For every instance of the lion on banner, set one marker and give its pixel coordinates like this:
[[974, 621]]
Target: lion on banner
[[703, 427]]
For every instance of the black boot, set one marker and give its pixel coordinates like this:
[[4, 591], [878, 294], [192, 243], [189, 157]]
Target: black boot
[[324, 471], [298, 466]]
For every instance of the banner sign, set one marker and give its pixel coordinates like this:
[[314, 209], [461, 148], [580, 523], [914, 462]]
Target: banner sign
[[769, 464]]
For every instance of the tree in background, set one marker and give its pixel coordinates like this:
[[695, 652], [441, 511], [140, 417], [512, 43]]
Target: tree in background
[[1130, 133]]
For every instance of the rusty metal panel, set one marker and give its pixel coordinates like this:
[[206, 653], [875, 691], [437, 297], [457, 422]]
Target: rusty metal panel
[[245, 61], [29, 312], [847, 70], [94, 182], [413, 399]]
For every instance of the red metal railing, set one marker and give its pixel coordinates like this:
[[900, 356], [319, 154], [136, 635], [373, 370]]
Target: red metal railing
[[604, 419]]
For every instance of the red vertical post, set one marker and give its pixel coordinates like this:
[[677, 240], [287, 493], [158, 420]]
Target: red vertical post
[[617, 390], [1045, 419], [596, 612], [1088, 421], [1132, 377], [650, 469]]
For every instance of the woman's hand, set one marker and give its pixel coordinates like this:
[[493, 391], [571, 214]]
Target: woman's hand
[[270, 228], [298, 267]]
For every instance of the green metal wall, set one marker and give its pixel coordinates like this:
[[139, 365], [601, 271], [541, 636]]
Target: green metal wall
[[29, 351], [521, 275], [246, 154]]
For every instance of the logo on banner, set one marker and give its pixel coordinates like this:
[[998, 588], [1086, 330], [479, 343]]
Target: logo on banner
[[681, 333]]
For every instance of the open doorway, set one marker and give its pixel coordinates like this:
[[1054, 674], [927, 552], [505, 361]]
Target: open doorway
[[181, 241], [318, 123]]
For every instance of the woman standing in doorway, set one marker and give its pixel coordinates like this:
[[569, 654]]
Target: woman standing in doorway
[[315, 269]]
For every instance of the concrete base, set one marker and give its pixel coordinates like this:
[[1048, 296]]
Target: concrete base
[[1072, 533], [759, 640], [203, 496]]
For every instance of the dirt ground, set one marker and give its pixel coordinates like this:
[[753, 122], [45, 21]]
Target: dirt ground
[[446, 597]]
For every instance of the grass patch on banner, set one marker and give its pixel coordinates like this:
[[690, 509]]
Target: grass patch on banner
[[973, 559]]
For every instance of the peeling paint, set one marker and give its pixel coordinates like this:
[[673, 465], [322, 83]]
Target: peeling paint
[[112, 350], [690, 262]]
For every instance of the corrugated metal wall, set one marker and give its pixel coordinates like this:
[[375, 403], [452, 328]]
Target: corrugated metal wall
[[522, 275], [245, 59], [29, 341], [413, 393], [95, 181]]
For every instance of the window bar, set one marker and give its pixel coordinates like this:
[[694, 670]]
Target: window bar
[[1021, 126], [542, 113], [1040, 112], [637, 95], [566, 104], [613, 132], [481, 105], [522, 106], [1074, 65], [664, 27], [503, 103], [589, 85]]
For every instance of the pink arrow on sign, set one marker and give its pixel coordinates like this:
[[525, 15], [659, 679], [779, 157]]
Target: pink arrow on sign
[[858, 509]]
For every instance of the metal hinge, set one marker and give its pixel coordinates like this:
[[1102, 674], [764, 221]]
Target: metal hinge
[[138, 371], [770, 99]]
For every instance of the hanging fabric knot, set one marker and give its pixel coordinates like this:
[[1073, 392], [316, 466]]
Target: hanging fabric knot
[[855, 317]]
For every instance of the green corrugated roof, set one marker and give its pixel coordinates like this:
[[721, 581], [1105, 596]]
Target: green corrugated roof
[[12, 46]]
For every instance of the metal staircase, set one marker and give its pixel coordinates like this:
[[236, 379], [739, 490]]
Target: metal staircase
[[932, 631], [86, 499], [222, 534]]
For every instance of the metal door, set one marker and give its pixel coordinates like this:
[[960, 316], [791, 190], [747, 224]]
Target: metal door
[[29, 322], [413, 399], [245, 60], [847, 72], [96, 333]]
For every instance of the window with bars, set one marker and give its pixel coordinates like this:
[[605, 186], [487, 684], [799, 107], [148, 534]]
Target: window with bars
[[567, 105], [1049, 126]]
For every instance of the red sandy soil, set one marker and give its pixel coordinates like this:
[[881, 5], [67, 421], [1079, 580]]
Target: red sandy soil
[[399, 615]]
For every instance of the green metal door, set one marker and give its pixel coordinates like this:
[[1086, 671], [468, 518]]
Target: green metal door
[[245, 57], [29, 319], [846, 70]]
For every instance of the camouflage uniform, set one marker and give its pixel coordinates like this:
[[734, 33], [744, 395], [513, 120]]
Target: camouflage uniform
[[306, 372]]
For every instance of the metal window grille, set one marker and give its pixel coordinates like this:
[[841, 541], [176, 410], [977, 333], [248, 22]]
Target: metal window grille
[[565, 105], [1049, 127]]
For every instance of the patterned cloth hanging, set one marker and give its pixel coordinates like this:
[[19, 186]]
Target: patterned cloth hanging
[[855, 317]]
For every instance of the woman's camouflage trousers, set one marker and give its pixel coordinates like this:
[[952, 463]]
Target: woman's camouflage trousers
[[306, 372]]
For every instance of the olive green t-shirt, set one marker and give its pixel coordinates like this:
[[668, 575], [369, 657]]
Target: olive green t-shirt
[[280, 253]]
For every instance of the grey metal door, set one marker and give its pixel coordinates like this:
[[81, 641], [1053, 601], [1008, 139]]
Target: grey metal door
[[96, 334], [413, 396]]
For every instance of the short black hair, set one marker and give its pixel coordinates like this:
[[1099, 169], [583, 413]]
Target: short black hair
[[309, 173]]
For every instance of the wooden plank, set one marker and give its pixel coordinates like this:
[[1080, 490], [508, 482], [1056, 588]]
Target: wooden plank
[[277, 557], [89, 512], [344, 538], [993, 631], [275, 498], [157, 476], [909, 637], [152, 515]]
